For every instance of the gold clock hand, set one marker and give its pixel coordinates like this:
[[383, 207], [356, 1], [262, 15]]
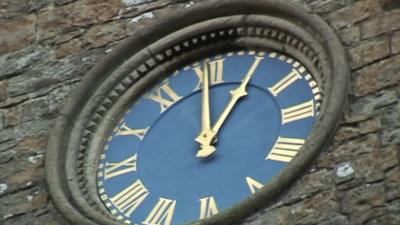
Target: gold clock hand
[[202, 138], [235, 96]]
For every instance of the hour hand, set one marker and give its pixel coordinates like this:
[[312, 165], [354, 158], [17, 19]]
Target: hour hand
[[206, 135], [205, 151]]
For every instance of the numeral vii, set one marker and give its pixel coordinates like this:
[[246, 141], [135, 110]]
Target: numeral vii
[[298, 112], [208, 207], [125, 166], [130, 198], [285, 149], [165, 96], [285, 82], [162, 213], [213, 69]]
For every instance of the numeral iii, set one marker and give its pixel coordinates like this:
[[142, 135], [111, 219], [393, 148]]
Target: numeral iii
[[285, 149]]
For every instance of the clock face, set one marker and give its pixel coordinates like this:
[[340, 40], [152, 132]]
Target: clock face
[[206, 137]]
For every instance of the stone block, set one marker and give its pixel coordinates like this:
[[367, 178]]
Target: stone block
[[315, 209], [369, 51], [354, 13], [386, 22], [353, 148], [3, 91], [350, 35], [395, 43], [23, 202], [377, 76], [364, 202], [278, 216], [68, 48], [17, 33], [346, 132], [86, 12], [101, 35], [308, 185], [389, 4], [54, 21], [392, 184], [15, 63], [32, 143], [13, 8], [370, 166], [390, 137], [13, 117], [369, 126], [365, 108], [33, 110]]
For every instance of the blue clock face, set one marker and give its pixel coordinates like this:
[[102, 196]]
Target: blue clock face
[[206, 137]]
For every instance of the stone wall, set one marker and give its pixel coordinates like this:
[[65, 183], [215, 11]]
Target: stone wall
[[47, 47]]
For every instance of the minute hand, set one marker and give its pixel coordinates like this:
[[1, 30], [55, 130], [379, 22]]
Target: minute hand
[[236, 95]]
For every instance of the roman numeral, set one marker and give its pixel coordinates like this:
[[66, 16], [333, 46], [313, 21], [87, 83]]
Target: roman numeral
[[285, 149], [214, 70], [253, 184], [298, 112], [208, 207], [125, 130], [170, 96], [162, 213], [130, 198], [125, 166], [285, 82]]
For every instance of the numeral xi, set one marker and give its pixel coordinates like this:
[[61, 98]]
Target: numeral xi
[[165, 96]]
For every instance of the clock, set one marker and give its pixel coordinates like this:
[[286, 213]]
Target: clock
[[158, 165], [204, 120]]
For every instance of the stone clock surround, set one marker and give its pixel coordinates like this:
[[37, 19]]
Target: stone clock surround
[[365, 128], [155, 51]]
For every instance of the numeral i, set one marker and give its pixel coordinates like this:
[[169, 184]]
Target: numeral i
[[285, 82]]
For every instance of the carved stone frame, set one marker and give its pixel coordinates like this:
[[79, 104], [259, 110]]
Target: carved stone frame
[[154, 52]]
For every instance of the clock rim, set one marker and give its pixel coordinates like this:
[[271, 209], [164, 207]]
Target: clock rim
[[336, 63]]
